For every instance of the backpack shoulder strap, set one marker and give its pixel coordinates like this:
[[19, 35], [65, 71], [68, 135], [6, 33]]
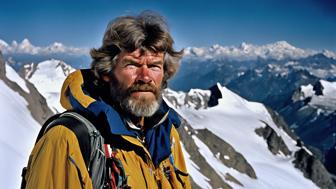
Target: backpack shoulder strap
[[77, 124]]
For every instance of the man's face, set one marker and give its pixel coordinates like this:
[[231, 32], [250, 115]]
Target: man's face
[[137, 80]]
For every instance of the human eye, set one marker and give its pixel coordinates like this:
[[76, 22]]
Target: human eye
[[131, 64], [155, 67]]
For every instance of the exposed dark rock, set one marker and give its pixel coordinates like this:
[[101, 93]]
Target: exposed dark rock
[[215, 95], [313, 169], [317, 153], [318, 88], [274, 142], [281, 123], [186, 132], [235, 160], [232, 179], [28, 70]]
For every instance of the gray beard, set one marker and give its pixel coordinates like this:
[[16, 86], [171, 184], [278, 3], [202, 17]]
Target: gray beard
[[139, 107]]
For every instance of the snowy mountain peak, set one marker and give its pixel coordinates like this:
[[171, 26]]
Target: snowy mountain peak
[[329, 54], [26, 43], [246, 47], [229, 98], [26, 47], [48, 77], [320, 88], [320, 96], [283, 45], [3, 45]]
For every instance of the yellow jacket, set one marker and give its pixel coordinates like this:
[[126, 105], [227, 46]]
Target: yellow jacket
[[56, 160]]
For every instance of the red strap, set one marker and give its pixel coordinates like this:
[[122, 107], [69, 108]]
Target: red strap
[[107, 150], [113, 171]]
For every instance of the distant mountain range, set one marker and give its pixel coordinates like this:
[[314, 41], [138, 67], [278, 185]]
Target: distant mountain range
[[246, 52], [26, 47], [25, 52], [17, 54]]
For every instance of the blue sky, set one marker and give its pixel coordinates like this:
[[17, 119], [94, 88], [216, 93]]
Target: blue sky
[[81, 23]]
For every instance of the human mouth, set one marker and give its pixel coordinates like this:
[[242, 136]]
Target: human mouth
[[142, 92], [142, 88]]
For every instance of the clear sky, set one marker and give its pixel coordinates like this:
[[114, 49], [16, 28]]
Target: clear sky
[[81, 23]]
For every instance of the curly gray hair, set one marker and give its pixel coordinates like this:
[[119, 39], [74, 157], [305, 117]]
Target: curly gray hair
[[148, 31]]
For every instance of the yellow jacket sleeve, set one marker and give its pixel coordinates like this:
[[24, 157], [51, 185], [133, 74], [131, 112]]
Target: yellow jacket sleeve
[[56, 162], [179, 162]]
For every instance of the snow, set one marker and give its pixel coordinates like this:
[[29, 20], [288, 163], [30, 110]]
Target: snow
[[18, 133], [307, 91], [48, 79], [329, 88], [13, 76], [190, 100], [329, 54], [235, 120]]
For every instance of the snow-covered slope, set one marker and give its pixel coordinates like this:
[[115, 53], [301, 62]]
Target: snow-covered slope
[[17, 136], [48, 77], [235, 121], [13, 76]]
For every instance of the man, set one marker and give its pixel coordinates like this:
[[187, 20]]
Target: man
[[121, 96]]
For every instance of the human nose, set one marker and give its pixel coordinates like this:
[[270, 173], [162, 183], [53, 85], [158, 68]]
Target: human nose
[[144, 74]]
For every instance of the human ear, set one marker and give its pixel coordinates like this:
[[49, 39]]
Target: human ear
[[106, 78]]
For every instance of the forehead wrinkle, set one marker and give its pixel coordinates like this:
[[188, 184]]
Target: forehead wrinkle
[[153, 58], [158, 62]]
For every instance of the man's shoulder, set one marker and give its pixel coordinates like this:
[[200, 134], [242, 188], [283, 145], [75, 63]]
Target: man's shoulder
[[58, 134]]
